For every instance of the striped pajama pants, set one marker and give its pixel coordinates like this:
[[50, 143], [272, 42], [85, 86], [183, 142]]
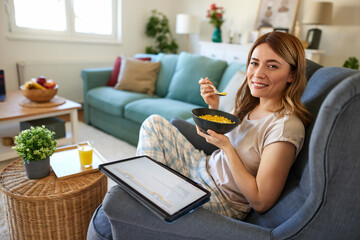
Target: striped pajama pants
[[163, 142]]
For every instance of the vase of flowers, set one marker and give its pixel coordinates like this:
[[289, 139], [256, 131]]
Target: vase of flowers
[[215, 14], [35, 146]]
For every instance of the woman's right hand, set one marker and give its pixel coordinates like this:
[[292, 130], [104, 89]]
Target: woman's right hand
[[208, 94]]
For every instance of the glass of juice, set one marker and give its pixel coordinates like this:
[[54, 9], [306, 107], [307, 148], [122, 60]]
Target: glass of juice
[[85, 154]]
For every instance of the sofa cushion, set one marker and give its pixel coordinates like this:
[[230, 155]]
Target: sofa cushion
[[188, 129], [167, 69], [100, 225], [229, 73], [227, 103], [139, 110], [153, 57], [311, 68], [138, 76], [116, 126], [116, 70], [108, 99], [114, 73], [190, 68]]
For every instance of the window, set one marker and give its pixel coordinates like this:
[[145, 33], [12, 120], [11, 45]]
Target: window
[[67, 19], [93, 16], [40, 14]]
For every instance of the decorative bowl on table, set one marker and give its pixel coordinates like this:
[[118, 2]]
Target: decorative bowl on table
[[214, 120], [39, 95]]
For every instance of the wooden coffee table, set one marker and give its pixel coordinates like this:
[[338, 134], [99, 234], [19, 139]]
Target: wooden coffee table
[[11, 114]]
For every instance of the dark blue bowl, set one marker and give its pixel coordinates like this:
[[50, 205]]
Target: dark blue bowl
[[204, 125]]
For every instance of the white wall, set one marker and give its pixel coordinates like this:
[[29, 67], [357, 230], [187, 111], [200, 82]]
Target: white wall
[[339, 41]]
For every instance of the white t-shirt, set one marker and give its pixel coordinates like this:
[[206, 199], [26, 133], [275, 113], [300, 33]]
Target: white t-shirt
[[249, 140]]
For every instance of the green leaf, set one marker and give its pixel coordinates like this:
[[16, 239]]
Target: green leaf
[[158, 28], [351, 62], [35, 144]]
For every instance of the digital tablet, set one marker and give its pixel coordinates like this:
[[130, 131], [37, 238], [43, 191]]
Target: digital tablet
[[163, 190]]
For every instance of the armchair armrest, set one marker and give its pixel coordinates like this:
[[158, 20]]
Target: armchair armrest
[[189, 131], [95, 77], [92, 78], [131, 220]]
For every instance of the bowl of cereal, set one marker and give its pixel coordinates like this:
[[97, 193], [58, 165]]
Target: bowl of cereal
[[216, 120]]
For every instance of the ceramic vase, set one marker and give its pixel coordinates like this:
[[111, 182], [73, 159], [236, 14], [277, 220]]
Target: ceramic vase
[[216, 37], [37, 169]]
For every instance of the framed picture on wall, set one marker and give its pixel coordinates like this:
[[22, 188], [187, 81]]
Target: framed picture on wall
[[265, 30], [285, 30], [277, 14], [252, 36]]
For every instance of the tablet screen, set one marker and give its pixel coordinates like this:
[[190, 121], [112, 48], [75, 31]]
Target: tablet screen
[[161, 186]]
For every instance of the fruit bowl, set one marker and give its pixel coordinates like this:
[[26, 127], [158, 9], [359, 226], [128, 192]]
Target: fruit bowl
[[39, 95], [204, 124]]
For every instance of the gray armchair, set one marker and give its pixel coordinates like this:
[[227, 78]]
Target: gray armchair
[[321, 196]]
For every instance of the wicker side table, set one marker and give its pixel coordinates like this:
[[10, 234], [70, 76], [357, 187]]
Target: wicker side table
[[50, 208]]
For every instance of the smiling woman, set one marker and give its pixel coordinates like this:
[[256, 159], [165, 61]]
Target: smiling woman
[[275, 56], [268, 75], [250, 167]]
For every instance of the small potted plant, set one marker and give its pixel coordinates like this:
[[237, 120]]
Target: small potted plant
[[35, 146]]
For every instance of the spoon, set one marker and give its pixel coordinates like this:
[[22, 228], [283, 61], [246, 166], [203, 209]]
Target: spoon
[[217, 92]]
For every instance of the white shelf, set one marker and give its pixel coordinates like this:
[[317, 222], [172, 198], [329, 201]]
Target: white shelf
[[239, 53]]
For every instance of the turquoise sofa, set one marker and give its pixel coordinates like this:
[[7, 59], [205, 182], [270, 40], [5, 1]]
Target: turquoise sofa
[[120, 113]]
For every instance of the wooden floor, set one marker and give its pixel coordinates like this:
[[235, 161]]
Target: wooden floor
[[80, 116]]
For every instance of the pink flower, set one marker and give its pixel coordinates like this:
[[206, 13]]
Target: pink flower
[[216, 15]]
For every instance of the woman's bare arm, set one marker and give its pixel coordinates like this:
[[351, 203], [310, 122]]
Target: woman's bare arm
[[262, 190]]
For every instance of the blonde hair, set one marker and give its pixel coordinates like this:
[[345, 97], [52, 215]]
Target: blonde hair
[[289, 48]]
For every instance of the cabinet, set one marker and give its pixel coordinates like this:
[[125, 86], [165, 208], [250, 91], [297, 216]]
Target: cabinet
[[239, 53], [225, 51]]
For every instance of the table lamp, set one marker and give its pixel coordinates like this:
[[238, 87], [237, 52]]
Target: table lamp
[[187, 24], [319, 13]]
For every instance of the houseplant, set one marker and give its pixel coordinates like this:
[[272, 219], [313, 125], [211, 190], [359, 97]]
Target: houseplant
[[35, 146], [215, 14], [352, 62], [158, 28]]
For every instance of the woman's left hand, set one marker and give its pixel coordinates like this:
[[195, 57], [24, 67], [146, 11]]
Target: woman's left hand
[[219, 140]]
